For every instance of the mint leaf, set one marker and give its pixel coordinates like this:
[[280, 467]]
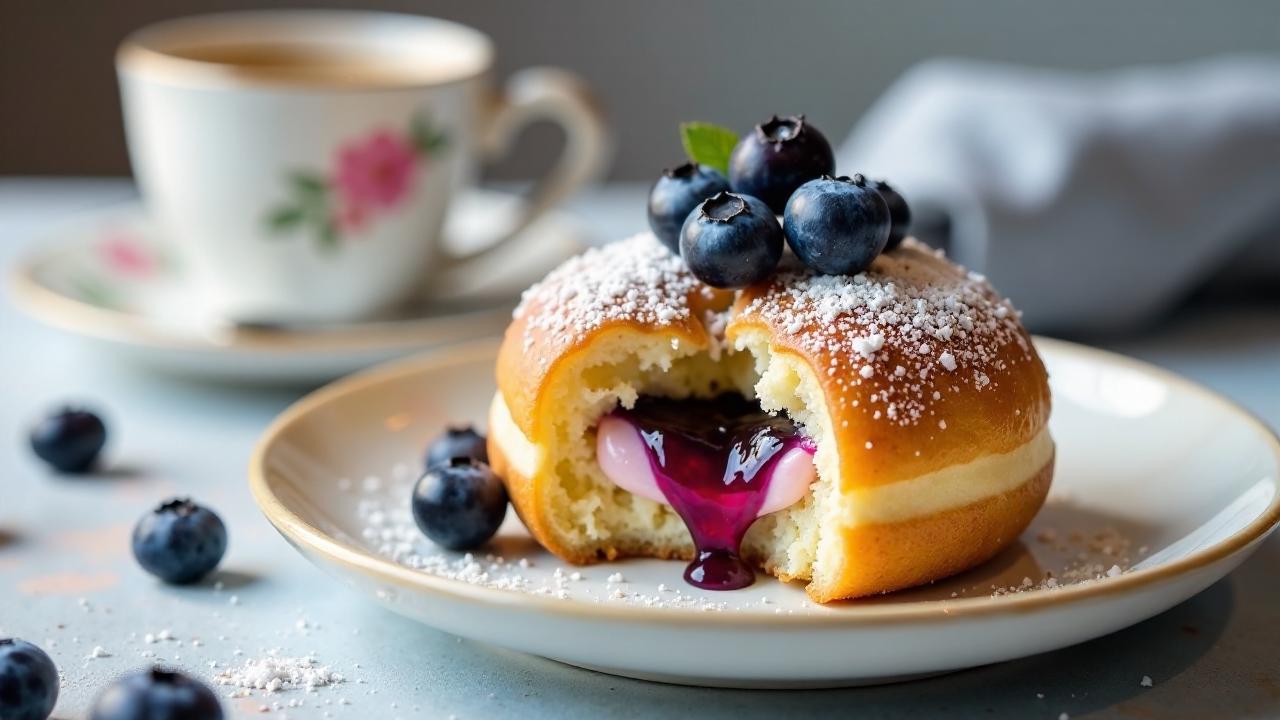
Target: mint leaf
[[708, 144]]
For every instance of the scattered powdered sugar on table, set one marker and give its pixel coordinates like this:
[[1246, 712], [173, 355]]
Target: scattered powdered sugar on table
[[273, 673]]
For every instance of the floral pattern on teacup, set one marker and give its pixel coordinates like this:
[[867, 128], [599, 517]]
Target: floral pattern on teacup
[[371, 176], [126, 255], [120, 265]]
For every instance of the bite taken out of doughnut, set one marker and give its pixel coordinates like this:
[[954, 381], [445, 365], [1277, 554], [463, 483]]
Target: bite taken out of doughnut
[[911, 387]]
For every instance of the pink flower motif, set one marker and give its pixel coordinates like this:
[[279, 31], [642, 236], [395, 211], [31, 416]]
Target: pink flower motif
[[377, 172], [124, 255]]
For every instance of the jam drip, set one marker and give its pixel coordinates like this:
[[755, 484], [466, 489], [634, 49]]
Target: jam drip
[[713, 460]]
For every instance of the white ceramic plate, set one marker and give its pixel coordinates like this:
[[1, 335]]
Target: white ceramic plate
[[108, 278], [1162, 488]]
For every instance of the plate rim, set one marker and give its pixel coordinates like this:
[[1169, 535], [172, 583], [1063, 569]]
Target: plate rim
[[85, 319], [306, 536]]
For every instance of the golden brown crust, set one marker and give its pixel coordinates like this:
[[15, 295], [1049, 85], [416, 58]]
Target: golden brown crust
[[548, 329], [899, 555], [996, 418], [922, 366]]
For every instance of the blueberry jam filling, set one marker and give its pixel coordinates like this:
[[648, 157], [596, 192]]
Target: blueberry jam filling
[[713, 460]]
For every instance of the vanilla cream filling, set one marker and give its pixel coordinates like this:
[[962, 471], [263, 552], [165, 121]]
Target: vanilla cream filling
[[951, 487], [523, 456], [946, 489]]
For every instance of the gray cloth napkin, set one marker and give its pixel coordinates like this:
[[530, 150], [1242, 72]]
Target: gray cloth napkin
[[1095, 201]]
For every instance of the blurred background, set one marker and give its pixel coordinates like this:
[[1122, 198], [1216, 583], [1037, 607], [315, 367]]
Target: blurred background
[[1104, 163], [653, 64], [1112, 167]]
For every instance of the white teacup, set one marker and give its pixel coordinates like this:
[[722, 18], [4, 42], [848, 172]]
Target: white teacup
[[302, 162]]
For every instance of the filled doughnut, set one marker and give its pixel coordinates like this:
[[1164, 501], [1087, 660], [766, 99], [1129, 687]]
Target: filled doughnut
[[860, 433]]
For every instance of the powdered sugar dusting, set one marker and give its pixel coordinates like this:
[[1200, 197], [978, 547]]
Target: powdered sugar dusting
[[905, 324], [914, 326], [388, 529], [514, 563], [635, 280], [1087, 557]]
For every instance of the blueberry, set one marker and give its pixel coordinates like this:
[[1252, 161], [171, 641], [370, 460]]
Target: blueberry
[[899, 213], [459, 504], [731, 241], [69, 440], [676, 194], [156, 694], [28, 681], [837, 226], [457, 442], [777, 157], [179, 542]]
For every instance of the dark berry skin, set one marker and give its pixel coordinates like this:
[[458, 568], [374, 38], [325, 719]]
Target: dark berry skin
[[899, 213], [179, 542], [731, 241], [69, 440], [777, 157], [28, 681], [457, 442], [157, 694], [459, 504], [837, 226], [676, 194]]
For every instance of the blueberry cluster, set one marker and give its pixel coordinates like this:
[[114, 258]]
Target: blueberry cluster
[[727, 229], [459, 502], [178, 541]]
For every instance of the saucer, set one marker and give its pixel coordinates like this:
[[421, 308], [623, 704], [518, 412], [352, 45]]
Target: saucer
[[109, 279], [1161, 488]]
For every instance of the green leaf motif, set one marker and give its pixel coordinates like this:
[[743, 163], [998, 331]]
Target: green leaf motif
[[426, 138], [328, 236], [94, 292], [284, 218], [310, 185], [708, 144]]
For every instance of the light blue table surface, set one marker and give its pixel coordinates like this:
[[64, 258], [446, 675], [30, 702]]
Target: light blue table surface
[[68, 583]]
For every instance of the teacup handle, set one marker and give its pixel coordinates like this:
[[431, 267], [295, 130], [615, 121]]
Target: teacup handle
[[544, 93]]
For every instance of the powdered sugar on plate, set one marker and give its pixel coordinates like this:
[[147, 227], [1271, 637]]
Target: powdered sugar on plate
[[388, 529], [516, 564], [1086, 557]]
